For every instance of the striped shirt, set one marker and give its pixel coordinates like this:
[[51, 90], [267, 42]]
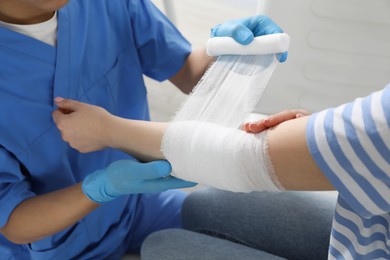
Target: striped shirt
[[351, 145]]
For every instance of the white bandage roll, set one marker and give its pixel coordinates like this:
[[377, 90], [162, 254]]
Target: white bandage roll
[[267, 44], [218, 156]]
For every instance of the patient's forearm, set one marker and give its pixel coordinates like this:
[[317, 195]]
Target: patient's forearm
[[294, 167], [291, 159], [142, 139]]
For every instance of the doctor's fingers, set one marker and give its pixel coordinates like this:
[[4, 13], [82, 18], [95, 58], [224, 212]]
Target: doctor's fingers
[[168, 183]]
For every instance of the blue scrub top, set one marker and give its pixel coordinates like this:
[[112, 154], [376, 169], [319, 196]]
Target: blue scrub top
[[104, 49]]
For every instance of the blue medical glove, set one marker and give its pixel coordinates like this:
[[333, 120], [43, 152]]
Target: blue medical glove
[[130, 177], [244, 30]]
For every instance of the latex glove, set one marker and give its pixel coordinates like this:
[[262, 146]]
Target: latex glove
[[125, 177], [244, 30]]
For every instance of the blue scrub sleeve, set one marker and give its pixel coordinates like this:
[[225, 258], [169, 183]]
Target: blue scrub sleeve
[[162, 48], [14, 188]]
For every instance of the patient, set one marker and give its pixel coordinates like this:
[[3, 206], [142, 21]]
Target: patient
[[345, 148]]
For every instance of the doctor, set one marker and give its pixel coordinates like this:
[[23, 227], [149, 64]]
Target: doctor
[[95, 51]]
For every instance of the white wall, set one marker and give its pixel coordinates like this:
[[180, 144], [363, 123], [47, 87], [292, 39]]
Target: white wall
[[340, 49]]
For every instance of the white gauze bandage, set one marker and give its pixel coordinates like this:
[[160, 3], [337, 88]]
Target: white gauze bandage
[[204, 144], [222, 157]]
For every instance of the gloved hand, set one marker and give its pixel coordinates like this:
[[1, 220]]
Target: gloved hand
[[244, 30], [125, 177]]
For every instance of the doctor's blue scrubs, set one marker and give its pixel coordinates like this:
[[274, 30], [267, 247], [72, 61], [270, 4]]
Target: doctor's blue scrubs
[[103, 50]]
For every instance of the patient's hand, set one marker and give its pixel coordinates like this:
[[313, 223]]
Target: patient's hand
[[83, 126], [274, 120]]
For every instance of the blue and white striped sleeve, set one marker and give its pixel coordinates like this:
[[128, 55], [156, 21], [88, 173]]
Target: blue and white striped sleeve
[[351, 145]]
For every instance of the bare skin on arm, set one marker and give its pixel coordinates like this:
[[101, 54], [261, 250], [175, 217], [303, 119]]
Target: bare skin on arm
[[193, 69], [291, 159], [40, 216]]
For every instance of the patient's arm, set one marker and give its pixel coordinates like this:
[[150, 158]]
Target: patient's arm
[[89, 128]]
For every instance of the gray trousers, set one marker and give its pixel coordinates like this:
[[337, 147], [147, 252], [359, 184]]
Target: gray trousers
[[259, 225]]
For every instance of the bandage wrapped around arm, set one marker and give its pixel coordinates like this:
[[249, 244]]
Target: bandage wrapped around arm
[[203, 142], [218, 156]]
